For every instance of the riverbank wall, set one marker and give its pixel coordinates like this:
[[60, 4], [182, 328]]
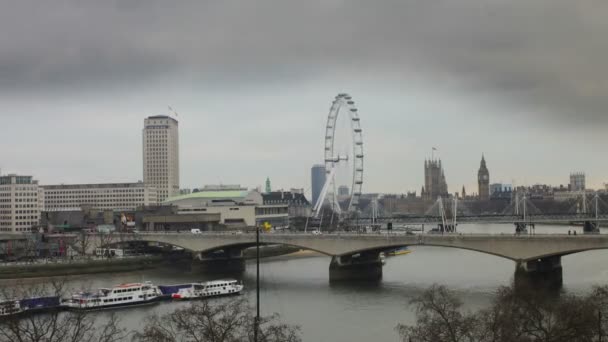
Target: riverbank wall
[[91, 266], [84, 266]]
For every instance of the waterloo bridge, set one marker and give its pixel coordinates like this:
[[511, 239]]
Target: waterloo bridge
[[357, 256]]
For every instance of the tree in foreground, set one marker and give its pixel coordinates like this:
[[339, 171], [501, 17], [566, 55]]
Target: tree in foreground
[[55, 326], [229, 321], [515, 315], [439, 318]]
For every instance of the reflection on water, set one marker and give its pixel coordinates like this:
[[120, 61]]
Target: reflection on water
[[300, 291]]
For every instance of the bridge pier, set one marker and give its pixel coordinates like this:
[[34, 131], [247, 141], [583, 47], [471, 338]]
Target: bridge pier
[[361, 266], [222, 261], [544, 273]]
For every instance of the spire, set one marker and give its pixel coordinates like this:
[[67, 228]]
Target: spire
[[268, 187], [483, 161]]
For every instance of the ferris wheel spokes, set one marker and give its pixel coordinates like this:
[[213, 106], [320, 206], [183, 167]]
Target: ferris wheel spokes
[[343, 102]]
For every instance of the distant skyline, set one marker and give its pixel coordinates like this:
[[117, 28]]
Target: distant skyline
[[524, 83]]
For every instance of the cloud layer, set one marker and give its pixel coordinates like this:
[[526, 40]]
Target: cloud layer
[[539, 62]]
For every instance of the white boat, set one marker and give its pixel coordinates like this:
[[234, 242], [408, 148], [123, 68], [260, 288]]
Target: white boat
[[202, 290], [118, 296], [9, 308]]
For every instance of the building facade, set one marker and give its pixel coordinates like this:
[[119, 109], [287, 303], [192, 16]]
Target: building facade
[[435, 184], [343, 190], [298, 205], [577, 181], [483, 180], [20, 203], [111, 196], [496, 187], [161, 155], [236, 208], [317, 180]]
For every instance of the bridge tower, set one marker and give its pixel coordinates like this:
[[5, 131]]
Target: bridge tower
[[445, 210], [521, 210], [591, 226], [483, 180]]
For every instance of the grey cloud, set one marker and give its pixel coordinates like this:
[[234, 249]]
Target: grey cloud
[[547, 55]]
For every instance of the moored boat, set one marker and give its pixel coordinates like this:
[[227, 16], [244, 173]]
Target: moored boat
[[119, 296], [29, 305], [399, 251], [202, 290], [10, 308], [40, 304]]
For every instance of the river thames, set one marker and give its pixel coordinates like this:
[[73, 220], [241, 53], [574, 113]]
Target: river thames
[[299, 290]]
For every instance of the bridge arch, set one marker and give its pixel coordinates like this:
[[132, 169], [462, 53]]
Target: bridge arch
[[113, 243], [238, 245], [245, 245], [568, 252], [401, 245]]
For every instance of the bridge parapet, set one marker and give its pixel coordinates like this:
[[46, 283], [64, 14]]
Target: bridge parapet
[[516, 248]]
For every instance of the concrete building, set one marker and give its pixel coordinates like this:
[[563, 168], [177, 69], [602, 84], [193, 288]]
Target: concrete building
[[110, 196], [434, 181], [222, 187], [20, 203], [577, 181], [483, 180], [236, 208], [161, 155], [317, 180]]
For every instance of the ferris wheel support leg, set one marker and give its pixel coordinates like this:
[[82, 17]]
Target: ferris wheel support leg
[[321, 199]]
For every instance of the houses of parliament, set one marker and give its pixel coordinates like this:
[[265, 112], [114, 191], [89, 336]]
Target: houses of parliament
[[435, 184]]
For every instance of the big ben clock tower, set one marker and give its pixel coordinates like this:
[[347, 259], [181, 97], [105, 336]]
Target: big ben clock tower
[[483, 180]]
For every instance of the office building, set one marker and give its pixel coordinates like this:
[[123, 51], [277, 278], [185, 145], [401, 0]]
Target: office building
[[317, 176], [20, 203], [577, 181], [110, 196], [161, 155]]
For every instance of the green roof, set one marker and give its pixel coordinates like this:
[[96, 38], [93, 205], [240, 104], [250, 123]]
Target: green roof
[[210, 195]]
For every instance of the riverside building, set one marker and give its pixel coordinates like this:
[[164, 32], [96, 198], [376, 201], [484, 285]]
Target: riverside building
[[161, 155], [20, 203], [110, 196], [232, 207]]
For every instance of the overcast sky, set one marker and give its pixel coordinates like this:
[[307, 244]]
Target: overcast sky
[[524, 82]]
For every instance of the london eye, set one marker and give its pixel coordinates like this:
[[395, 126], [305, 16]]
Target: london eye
[[343, 151]]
